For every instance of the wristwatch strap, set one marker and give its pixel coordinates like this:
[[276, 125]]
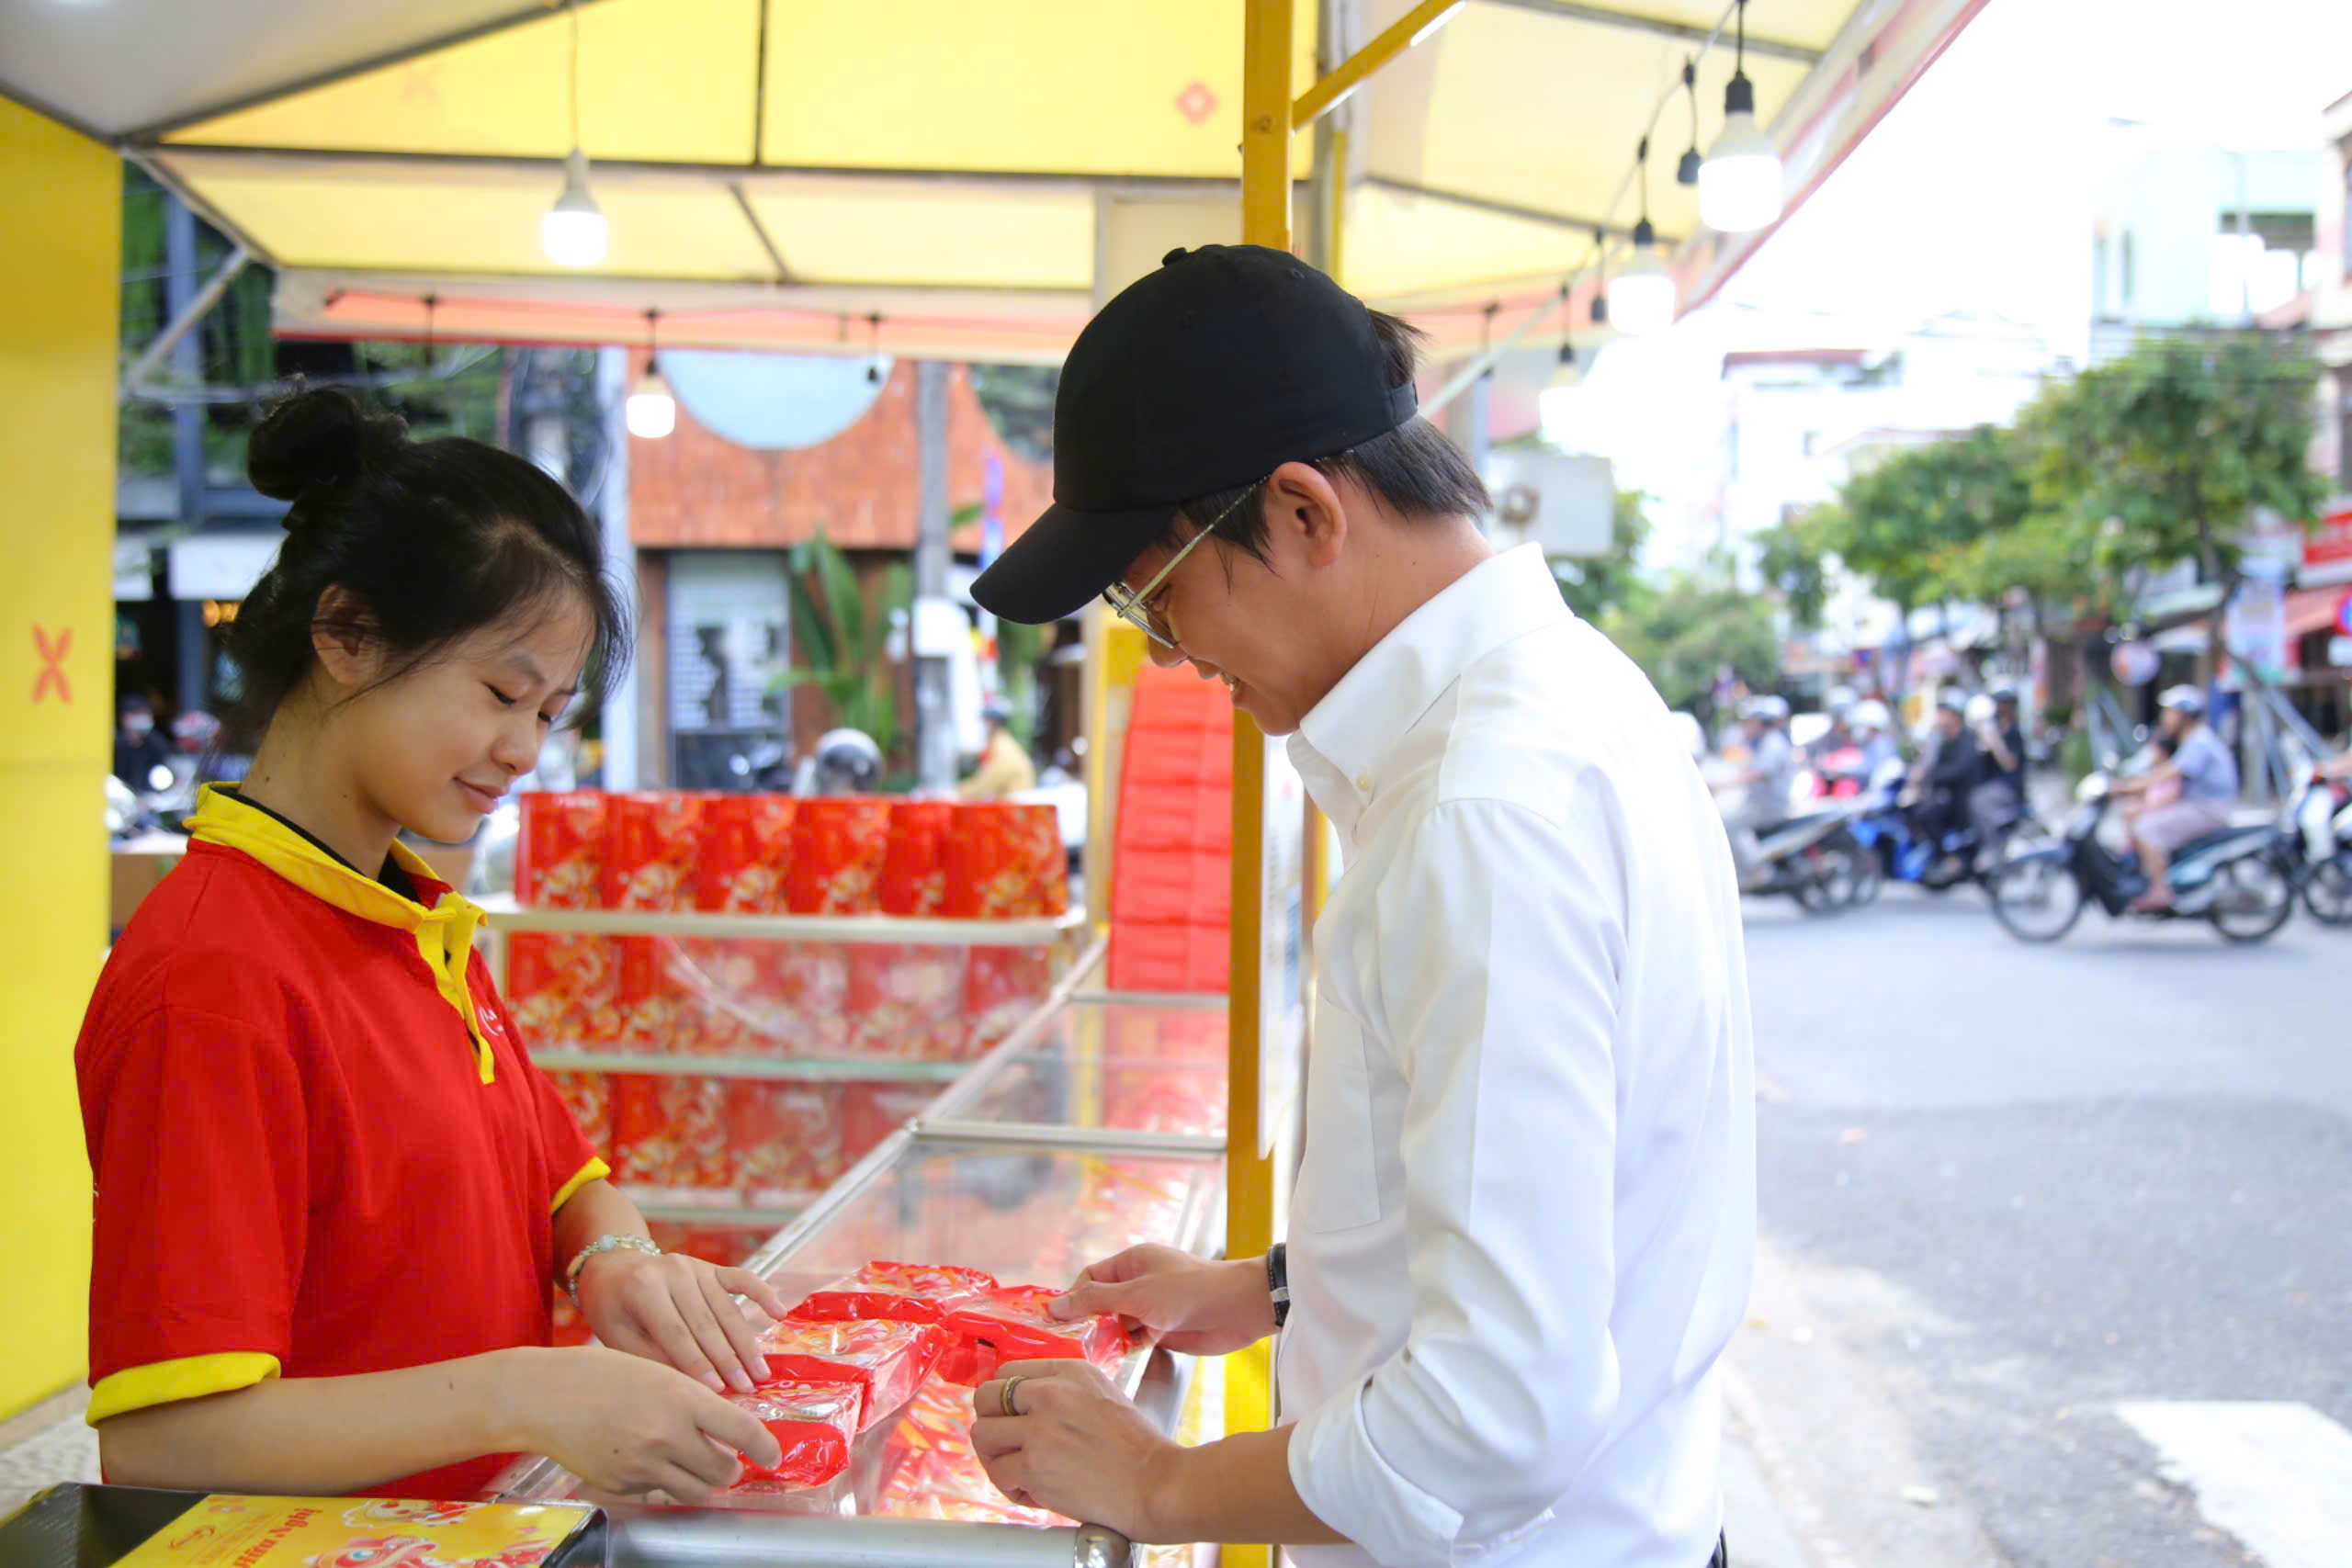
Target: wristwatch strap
[[1278, 1280]]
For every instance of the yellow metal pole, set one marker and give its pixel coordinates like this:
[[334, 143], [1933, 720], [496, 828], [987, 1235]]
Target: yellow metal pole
[[1409, 30], [1268, 44]]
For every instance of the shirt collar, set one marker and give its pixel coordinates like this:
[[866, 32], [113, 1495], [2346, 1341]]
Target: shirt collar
[[443, 933], [1346, 738]]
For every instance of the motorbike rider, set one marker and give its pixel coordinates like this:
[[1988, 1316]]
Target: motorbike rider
[[1005, 768], [2208, 776], [1997, 799], [1838, 709], [1767, 778], [1874, 728], [139, 751], [1953, 766]]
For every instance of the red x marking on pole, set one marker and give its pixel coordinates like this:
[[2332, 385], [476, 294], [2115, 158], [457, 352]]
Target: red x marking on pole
[[52, 664]]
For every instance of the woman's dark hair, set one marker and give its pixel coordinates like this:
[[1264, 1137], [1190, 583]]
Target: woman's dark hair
[[433, 540], [1414, 469]]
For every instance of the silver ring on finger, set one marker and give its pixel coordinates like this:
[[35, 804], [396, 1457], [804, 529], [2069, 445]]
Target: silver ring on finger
[[1004, 1395]]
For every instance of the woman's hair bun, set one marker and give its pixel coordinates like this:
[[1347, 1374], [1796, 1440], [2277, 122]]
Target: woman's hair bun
[[320, 440]]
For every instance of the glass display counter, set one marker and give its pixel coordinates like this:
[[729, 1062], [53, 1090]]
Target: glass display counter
[[1096, 1124]]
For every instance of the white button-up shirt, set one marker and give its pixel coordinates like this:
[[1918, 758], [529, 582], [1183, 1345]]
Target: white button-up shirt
[[1525, 1221]]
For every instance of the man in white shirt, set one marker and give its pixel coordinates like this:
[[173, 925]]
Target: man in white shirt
[[1523, 1226]]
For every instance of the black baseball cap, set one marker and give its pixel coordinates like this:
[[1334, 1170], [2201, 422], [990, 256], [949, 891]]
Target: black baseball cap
[[1204, 376]]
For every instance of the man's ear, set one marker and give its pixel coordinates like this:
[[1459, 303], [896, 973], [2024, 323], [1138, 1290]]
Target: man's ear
[[343, 636], [1302, 508]]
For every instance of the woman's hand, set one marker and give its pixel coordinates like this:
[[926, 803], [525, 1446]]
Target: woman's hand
[[1199, 1308], [629, 1426], [679, 1309]]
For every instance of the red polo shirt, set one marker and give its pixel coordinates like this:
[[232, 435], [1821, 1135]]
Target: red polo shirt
[[319, 1149]]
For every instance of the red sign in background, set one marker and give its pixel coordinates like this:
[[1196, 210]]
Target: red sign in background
[[2330, 544]]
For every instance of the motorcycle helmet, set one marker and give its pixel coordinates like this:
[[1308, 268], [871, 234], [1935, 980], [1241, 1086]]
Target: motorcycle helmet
[[1770, 709], [1870, 714], [846, 762], [2005, 694], [2183, 699], [1952, 699]]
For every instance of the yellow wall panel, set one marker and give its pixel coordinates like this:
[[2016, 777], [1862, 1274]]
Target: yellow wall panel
[[666, 81], [58, 278]]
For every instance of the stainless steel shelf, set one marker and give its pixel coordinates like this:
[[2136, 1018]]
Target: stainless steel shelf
[[1049, 1135], [718, 1537], [505, 915], [820, 1069]]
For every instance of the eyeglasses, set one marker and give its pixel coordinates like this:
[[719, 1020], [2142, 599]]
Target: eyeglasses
[[1134, 606]]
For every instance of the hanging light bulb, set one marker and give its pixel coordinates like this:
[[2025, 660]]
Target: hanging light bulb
[[1641, 297], [1686, 173], [1739, 183], [1555, 405], [651, 412], [1600, 277], [573, 231]]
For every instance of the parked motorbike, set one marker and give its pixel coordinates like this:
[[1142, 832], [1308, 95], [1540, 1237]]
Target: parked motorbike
[[1816, 860], [2320, 849], [2237, 878]]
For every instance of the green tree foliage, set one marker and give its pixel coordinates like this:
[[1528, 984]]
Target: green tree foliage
[[1019, 401], [2164, 456], [1592, 588], [1794, 560], [844, 636], [1901, 524], [1687, 631]]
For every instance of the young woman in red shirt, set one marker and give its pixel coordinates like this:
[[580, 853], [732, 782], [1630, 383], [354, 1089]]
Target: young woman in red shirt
[[332, 1193]]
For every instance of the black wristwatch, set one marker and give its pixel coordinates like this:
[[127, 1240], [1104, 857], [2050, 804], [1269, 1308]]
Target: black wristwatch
[[1278, 1280]]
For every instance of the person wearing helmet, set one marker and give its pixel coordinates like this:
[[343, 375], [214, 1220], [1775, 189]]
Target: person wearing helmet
[[2208, 778], [1998, 797], [1769, 778], [1005, 768], [1954, 765], [1874, 728]]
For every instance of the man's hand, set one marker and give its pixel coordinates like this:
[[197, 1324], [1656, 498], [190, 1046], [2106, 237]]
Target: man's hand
[[678, 1308], [1068, 1442], [1198, 1308]]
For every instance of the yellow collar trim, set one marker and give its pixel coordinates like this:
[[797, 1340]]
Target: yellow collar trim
[[443, 933]]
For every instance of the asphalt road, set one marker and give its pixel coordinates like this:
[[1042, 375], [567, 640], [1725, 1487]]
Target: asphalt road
[[2114, 1169]]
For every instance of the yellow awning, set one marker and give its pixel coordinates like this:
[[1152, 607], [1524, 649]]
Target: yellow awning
[[775, 172]]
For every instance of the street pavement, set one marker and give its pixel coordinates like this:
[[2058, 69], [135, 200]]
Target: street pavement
[[2058, 1241]]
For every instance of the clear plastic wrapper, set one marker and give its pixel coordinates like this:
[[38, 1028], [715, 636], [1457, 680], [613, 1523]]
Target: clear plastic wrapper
[[902, 1292], [813, 1423], [886, 1361], [1012, 1323]]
